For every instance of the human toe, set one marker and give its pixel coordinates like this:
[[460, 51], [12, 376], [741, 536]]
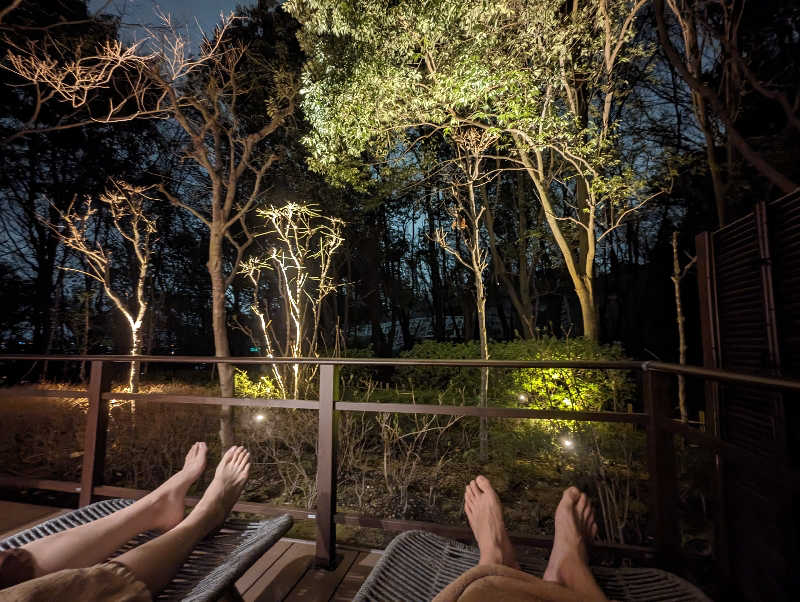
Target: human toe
[[571, 494], [483, 483], [580, 506]]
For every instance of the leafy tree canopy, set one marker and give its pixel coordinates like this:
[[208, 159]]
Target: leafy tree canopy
[[382, 73]]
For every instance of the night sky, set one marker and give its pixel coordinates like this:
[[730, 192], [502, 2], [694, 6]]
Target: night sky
[[186, 15]]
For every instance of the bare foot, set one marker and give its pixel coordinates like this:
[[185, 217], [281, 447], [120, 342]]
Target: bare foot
[[575, 529], [225, 488], [485, 515], [168, 499]]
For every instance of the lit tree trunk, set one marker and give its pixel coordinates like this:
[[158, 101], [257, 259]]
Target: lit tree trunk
[[478, 264], [585, 292], [215, 115], [136, 348], [304, 245], [480, 299], [581, 270], [677, 275], [220, 327], [135, 228]]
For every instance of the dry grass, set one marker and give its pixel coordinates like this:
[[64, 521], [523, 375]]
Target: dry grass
[[42, 437]]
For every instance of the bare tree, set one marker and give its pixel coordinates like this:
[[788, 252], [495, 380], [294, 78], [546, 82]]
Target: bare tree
[[126, 206], [7, 9], [469, 220], [678, 274], [210, 97], [716, 109], [304, 243]]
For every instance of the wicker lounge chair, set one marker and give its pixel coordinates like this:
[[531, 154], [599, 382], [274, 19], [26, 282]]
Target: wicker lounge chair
[[417, 565], [212, 567]]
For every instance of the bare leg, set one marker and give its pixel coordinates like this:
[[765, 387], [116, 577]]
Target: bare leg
[[569, 559], [156, 562], [89, 544], [485, 516]]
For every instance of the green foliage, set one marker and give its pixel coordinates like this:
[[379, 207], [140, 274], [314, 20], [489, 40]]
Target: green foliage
[[380, 73], [264, 387], [542, 388]]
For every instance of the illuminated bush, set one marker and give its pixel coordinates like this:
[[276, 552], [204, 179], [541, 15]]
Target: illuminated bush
[[539, 388], [264, 387]]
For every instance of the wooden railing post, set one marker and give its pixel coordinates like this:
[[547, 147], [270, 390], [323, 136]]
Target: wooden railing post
[[326, 469], [94, 446], [661, 467]]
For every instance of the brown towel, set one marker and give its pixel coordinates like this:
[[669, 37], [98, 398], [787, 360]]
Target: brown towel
[[496, 582], [16, 566], [107, 582]]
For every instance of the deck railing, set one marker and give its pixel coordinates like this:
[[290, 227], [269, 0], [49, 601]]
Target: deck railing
[[656, 419]]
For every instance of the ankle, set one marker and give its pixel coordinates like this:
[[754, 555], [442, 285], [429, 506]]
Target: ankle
[[491, 557], [572, 566], [210, 510]]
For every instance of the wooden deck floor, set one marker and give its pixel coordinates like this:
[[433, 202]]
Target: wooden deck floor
[[284, 572]]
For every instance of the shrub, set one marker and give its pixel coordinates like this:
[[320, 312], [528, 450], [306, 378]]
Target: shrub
[[541, 388], [264, 387]]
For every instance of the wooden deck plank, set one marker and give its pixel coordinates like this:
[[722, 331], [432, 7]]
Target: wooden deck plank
[[361, 568], [15, 517], [261, 565], [277, 581], [318, 585]]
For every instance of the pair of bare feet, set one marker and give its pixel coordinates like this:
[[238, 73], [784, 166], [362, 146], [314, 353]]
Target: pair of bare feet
[[154, 562], [575, 528], [168, 501]]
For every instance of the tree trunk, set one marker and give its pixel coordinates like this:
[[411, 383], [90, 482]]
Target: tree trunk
[[220, 328], [484, 341], [480, 307], [86, 326], [133, 375], [677, 276], [720, 109], [525, 271], [520, 298], [581, 272], [589, 317]]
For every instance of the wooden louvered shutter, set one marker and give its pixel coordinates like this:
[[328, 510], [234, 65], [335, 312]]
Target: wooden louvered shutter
[[750, 276]]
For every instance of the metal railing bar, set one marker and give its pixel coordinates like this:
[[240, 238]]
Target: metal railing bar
[[724, 376], [348, 406], [338, 361], [405, 408], [300, 404]]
